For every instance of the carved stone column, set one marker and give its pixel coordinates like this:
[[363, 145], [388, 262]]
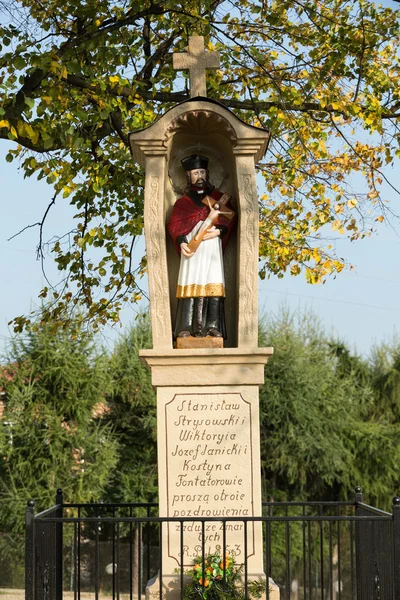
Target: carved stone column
[[244, 154], [154, 227]]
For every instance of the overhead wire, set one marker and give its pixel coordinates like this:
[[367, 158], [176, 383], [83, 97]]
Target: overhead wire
[[375, 306]]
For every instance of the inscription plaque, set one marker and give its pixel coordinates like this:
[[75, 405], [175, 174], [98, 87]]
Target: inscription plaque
[[209, 472]]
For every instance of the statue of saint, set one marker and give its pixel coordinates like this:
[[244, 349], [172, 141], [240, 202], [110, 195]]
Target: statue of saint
[[203, 215]]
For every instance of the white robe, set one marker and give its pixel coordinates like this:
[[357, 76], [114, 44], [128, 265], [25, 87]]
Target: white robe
[[203, 273]]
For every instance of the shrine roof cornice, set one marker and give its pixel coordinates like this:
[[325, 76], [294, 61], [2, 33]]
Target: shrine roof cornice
[[201, 99], [154, 138]]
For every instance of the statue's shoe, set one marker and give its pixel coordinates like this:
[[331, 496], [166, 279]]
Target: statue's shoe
[[183, 334], [213, 332]]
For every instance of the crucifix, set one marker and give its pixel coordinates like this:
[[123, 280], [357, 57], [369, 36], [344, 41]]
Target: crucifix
[[215, 207], [196, 61]]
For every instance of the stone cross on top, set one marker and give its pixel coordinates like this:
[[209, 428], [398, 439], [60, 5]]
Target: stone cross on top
[[196, 61]]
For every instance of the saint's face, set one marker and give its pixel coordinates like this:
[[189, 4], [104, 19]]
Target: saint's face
[[198, 177]]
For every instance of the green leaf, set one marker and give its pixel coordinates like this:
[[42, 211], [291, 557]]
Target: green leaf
[[19, 62], [30, 102]]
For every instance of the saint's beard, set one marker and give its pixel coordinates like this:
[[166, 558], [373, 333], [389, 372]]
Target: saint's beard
[[200, 185]]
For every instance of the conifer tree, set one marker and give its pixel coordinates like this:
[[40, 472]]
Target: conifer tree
[[385, 365], [53, 435], [132, 415], [324, 426], [323, 430]]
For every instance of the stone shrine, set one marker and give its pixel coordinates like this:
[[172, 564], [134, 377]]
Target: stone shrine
[[208, 391]]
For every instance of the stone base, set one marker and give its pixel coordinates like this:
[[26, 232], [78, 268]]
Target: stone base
[[208, 457], [171, 587], [187, 343]]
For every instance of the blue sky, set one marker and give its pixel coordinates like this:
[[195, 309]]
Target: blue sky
[[361, 307]]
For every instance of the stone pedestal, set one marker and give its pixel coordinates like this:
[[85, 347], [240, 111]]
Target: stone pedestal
[[190, 342], [208, 454]]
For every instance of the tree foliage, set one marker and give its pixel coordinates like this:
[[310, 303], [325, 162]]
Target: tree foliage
[[323, 77], [132, 415], [386, 375], [324, 422], [72, 417], [52, 434]]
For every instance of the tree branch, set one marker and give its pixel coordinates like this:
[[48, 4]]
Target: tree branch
[[115, 124], [15, 106], [39, 251], [361, 66], [22, 230], [154, 9], [157, 56]]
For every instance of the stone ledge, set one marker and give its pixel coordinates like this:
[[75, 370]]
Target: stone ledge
[[207, 366]]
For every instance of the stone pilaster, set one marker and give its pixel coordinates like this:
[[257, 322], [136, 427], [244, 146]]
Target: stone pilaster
[[248, 241], [154, 226]]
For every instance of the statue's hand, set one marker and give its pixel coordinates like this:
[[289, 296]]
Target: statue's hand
[[212, 233], [186, 251]]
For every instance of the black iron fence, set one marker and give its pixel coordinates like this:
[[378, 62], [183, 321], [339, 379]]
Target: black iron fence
[[311, 550]]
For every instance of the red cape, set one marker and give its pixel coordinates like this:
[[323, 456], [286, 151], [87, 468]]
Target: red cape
[[186, 214]]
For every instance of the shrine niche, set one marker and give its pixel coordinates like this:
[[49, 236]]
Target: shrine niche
[[204, 127], [202, 133]]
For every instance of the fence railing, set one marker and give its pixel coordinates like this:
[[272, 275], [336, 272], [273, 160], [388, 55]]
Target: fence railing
[[312, 550]]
